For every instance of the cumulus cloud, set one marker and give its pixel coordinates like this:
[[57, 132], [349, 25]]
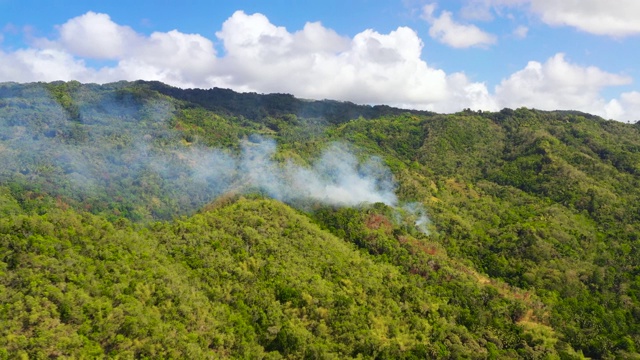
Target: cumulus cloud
[[191, 56], [627, 107], [29, 65], [558, 84], [449, 32], [464, 94], [178, 58], [96, 36], [315, 62]]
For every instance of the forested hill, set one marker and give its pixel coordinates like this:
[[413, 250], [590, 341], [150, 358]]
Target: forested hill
[[139, 220], [256, 106]]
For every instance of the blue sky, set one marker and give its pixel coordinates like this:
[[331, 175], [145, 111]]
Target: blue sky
[[437, 55]]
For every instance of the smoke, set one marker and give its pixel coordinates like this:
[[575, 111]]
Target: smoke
[[111, 146], [418, 214], [336, 178], [119, 154]]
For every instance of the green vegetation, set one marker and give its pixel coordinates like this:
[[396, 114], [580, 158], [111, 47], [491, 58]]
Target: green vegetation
[[123, 233]]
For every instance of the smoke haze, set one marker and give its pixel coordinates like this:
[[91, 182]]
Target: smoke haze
[[336, 178], [419, 216], [117, 147]]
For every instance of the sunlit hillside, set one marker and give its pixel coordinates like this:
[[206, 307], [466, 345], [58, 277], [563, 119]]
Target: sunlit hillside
[[140, 220]]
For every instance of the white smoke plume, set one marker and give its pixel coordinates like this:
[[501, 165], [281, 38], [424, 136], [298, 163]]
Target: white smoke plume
[[419, 215], [119, 153], [336, 178]]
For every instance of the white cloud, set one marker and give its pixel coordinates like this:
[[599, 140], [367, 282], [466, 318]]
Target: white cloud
[[315, 62], [465, 94], [191, 56], [174, 57], [600, 17], [628, 107], [27, 65], [558, 84], [316, 38], [96, 36], [447, 31], [521, 32]]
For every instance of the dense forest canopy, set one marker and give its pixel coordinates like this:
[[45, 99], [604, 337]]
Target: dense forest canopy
[[142, 220]]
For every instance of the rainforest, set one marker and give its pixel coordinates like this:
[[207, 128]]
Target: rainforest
[[140, 220]]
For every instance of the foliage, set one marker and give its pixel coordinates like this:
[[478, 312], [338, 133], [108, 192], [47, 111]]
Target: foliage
[[531, 252]]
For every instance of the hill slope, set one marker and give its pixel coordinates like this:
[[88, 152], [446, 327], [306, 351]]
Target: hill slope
[[531, 248], [252, 278]]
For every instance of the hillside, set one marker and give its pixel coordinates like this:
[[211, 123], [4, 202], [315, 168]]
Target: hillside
[[141, 220]]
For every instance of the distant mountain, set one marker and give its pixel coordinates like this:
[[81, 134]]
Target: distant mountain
[[142, 220], [256, 106]]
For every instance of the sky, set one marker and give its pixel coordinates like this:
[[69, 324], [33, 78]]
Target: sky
[[442, 56]]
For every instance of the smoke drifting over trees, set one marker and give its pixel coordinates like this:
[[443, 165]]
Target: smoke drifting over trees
[[112, 143]]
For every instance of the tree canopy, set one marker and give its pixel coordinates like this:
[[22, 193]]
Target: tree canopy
[[133, 226]]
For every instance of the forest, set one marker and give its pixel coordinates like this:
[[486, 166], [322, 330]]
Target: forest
[[139, 220]]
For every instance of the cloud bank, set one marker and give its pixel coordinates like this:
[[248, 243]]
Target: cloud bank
[[316, 62]]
